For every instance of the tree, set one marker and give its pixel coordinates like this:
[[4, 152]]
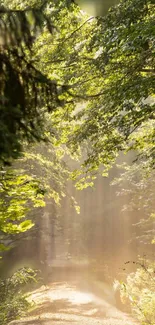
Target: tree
[[99, 67], [27, 96], [96, 66], [25, 93], [31, 217], [105, 76], [106, 65]]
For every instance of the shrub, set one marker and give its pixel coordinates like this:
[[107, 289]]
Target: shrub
[[139, 289], [13, 301]]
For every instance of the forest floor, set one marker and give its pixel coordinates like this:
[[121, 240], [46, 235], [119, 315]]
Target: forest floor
[[64, 303]]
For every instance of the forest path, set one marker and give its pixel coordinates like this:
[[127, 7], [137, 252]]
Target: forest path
[[64, 304]]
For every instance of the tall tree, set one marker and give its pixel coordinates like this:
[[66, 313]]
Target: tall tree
[[106, 65], [25, 93]]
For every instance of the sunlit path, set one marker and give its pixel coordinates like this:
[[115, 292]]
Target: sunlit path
[[63, 303]]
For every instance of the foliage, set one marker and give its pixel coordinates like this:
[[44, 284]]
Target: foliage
[[13, 302], [139, 289], [37, 186], [19, 193], [51, 168], [105, 74], [101, 71], [46, 163], [94, 68], [25, 93], [135, 184], [26, 96]]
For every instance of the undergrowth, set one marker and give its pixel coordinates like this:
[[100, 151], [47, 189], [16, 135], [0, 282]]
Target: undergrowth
[[139, 291], [13, 300]]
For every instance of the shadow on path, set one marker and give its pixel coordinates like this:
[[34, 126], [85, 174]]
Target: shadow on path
[[62, 303]]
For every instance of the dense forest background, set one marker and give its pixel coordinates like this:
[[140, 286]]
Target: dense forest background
[[77, 143]]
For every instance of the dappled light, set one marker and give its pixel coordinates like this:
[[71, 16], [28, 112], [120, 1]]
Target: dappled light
[[63, 302], [77, 167]]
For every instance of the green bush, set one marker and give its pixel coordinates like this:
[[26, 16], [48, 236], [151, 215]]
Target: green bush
[[13, 301], [139, 289]]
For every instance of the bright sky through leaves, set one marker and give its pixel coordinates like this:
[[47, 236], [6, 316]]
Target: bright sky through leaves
[[96, 7]]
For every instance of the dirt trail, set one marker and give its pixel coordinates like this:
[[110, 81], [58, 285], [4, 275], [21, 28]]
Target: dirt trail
[[64, 304]]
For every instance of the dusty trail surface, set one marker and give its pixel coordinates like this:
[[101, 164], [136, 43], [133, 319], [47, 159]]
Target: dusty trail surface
[[64, 304]]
